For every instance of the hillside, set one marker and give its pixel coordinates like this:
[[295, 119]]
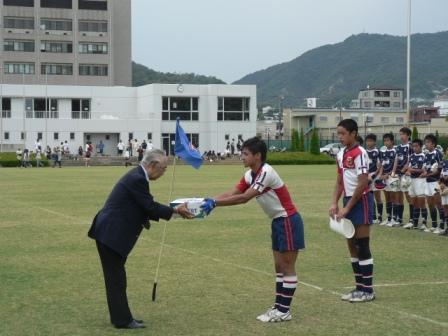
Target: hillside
[[335, 73], [142, 75]]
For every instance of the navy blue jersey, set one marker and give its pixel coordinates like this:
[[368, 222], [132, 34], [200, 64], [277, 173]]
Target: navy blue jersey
[[374, 159], [403, 153], [433, 159], [388, 159], [417, 161], [444, 173]]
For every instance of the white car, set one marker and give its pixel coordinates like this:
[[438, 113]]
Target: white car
[[331, 149]]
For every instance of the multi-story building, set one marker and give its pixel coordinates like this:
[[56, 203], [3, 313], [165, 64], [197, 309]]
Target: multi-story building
[[212, 115], [66, 42], [379, 98], [442, 103]]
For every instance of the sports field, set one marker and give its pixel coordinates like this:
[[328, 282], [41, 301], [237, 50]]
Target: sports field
[[216, 274]]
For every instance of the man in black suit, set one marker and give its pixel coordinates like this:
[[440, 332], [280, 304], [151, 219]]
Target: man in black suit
[[118, 225]]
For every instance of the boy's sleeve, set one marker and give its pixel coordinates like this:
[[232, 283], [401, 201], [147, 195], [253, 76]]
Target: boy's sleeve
[[264, 180], [242, 185], [361, 163]]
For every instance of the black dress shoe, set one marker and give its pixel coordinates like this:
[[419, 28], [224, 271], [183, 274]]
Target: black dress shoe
[[132, 325], [139, 321]]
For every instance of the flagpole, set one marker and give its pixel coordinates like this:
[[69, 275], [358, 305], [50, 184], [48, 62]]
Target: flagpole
[[162, 243]]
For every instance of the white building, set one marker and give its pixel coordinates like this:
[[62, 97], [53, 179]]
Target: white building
[[210, 114], [442, 104]]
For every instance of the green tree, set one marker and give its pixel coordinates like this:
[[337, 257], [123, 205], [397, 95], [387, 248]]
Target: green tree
[[314, 144], [437, 136], [414, 133], [301, 146], [295, 141]]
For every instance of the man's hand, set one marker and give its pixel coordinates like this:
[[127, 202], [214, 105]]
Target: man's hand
[[183, 211], [208, 205], [333, 210]]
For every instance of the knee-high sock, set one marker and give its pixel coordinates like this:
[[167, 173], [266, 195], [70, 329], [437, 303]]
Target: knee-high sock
[[415, 216], [278, 288], [379, 208], [287, 293], [389, 210], [411, 212], [442, 218], [424, 214], [357, 272], [366, 267], [433, 213]]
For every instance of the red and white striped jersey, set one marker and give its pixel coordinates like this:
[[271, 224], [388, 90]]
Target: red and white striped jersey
[[351, 163], [274, 197]]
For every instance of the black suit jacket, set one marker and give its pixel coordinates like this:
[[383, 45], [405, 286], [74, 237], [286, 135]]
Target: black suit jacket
[[128, 208]]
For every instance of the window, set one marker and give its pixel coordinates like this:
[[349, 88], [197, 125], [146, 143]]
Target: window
[[93, 26], [47, 24], [81, 109], [55, 136], [93, 70], [6, 107], [168, 141], [323, 118], [367, 104], [185, 108], [399, 120], [56, 69], [6, 136], [18, 45], [19, 68], [130, 136], [56, 47], [382, 104], [36, 107], [93, 4], [385, 120], [397, 104], [149, 136], [382, 93], [22, 3], [233, 108], [22, 135], [39, 135], [107, 137], [18, 23], [72, 135], [56, 4], [92, 48], [366, 93], [396, 94]]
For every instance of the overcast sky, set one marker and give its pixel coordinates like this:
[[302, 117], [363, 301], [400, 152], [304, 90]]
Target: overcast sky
[[232, 38]]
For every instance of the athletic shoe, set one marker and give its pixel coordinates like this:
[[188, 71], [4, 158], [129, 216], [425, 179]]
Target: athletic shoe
[[422, 227], [427, 230], [408, 226], [433, 229], [444, 232], [375, 221], [275, 315], [437, 230], [349, 295], [385, 222], [363, 297], [264, 316], [393, 223]]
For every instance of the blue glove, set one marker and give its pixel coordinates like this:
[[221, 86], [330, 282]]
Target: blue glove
[[208, 205]]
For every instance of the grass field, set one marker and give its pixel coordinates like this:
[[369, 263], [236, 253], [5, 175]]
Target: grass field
[[216, 274]]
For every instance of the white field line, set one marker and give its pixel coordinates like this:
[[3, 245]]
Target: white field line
[[246, 268], [408, 284]]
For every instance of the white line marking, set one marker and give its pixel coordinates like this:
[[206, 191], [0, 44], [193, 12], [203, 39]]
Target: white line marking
[[383, 307], [408, 284]]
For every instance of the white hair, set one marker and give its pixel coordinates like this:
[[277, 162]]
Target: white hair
[[152, 156]]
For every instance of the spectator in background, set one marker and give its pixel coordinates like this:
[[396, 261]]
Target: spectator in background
[[232, 147], [26, 158], [87, 155], [150, 145], [19, 154], [144, 145], [57, 157], [80, 152], [39, 158], [135, 146], [127, 156], [37, 145], [48, 152], [66, 148], [129, 147], [120, 147], [140, 152], [101, 148]]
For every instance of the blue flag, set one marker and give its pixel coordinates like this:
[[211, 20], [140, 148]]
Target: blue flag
[[185, 150]]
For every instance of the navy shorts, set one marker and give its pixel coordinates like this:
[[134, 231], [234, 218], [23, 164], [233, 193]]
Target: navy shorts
[[288, 233], [362, 212]]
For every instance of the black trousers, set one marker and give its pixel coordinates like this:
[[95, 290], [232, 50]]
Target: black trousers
[[115, 281]]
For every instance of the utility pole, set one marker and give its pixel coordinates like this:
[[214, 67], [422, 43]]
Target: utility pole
[[408, 79]]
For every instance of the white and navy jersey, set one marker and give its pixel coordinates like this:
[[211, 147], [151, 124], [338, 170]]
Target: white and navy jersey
[[416, 161], [274, 196], [433, 162], [388, 159], [352, 163], [403, 153], [444, 172], [374, 159]]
